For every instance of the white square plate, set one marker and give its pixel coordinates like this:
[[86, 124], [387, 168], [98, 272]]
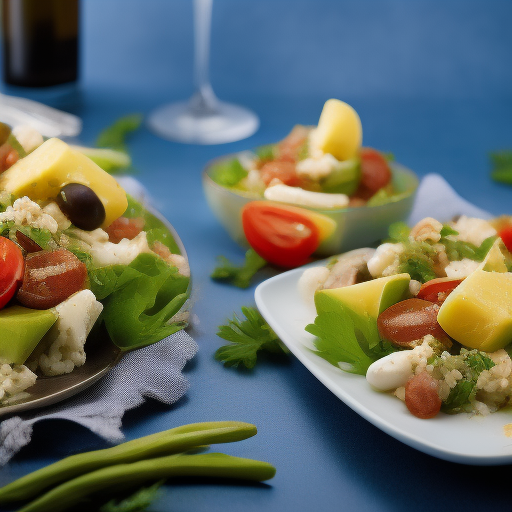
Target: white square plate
[[458, 438]]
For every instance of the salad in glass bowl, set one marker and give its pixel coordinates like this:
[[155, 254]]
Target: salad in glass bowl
[[426, 316], [79, 260], [318, 191]]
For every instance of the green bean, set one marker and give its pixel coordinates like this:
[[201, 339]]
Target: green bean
[[216, 465], [175, 440]]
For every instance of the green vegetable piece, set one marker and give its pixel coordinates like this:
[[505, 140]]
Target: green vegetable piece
[[140, 500], [110, 160], [21, 329], [228, 173], [399, 232], [216, 465], [346, 339], [139, 299], [247, 338], [115, 136], [344, 179], [13, 142], [268, 152], [171, 441], [239, 276], [501, 162]]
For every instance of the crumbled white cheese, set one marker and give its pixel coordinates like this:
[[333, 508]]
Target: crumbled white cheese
[[66, 338], [253, 182], [461, 269], [301, 197], [247, 160], [386, 259], [54, 210], [14, 380], [28, 137], [472, 230], [122, 253], [318, 168], [180, 262], [25, 212]]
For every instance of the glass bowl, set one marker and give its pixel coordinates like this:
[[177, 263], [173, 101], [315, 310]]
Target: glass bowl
[[355, 227]]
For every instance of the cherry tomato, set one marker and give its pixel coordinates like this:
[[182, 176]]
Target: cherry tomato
[[506, 235], [51, 277], [408, 321], [11, 270], [282, 237], [436, 290], [283, 171], [375, 173], [125, 228]]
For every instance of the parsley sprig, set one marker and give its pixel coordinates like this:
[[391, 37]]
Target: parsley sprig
[[138, 501], [247, 338], [345, 337], [501, 162], [237, 275]]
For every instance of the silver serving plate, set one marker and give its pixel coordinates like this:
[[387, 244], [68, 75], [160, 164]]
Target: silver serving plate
[[102, 355]]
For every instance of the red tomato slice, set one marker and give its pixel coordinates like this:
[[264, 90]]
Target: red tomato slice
[[283, 171], [375, 173], [283, 238], [11, 270], [506, 235], [436, 290]]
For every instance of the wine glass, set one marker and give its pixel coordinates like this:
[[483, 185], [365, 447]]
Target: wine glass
[[203, 119]]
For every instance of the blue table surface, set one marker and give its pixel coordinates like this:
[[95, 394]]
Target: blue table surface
[[431, 81]]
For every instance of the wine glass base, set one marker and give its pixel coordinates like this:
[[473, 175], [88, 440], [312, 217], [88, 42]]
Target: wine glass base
[[179, 122]]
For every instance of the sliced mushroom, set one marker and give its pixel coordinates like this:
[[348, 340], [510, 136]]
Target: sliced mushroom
[[351, 268]]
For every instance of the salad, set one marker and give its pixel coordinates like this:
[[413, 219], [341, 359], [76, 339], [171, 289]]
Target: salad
[[426, 315], [310, 192], [77, 256]]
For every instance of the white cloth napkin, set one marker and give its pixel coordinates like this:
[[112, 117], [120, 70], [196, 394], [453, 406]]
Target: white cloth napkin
[[151, 372]]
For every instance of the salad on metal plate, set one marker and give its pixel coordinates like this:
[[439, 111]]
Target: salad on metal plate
[[426, 316], [78, 256]]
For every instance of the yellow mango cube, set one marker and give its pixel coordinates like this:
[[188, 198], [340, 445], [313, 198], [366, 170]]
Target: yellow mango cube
[[478, 313], [339, 130], [42, 173]]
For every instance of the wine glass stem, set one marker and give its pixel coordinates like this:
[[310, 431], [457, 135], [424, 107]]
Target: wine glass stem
[[204, 100]]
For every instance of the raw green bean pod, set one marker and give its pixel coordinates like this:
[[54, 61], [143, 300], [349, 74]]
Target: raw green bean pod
[[171, 441], [218, 465]]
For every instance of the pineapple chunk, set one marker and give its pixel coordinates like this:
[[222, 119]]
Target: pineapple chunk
[[478, 313], [339, 130], [42, 174]]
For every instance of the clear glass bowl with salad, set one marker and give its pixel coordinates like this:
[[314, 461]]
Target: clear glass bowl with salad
[[318, 191]]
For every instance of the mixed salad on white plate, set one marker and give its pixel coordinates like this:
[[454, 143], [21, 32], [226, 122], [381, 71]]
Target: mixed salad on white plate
[[77, 254], [426, 316]]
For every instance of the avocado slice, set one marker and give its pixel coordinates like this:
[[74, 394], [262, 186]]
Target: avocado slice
[[21, 329], [366, 299]]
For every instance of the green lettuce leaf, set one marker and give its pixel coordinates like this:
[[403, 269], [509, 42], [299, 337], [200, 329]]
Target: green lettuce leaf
[[139, 299], [228, 173]]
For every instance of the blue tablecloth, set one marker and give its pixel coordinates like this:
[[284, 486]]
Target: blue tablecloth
[[432, 82]]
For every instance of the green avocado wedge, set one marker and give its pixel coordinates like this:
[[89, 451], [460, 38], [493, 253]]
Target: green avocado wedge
[[366, 299], [21, 329]]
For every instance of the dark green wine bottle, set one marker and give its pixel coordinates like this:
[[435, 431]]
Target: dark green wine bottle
[[40, 42]]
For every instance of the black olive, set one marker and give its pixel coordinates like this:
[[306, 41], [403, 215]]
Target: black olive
[[81, 206]]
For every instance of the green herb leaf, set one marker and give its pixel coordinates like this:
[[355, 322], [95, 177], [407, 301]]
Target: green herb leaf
[[267, 152], [247, 338], [344, 337], [447, 230], [501, 162], [114, 136], [464, 392], [139, 299], [457, 250], [419, 268], [140, 500], [228, 173], [239, 275], [399, 232]]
